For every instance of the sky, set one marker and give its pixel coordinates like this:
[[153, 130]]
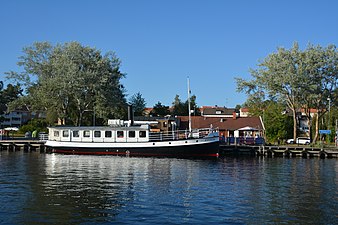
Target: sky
[[161, 43]]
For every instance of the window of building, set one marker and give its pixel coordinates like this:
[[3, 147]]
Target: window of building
[[108, 134], [56, 133], [65, 133], [131, 134], [86, 133], [97, 133], [143, 134], [76, 133], [120, 134]]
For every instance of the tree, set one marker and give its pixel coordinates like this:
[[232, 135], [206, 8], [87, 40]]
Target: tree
[[278, 125], [321, 68], [181, 108], [138, 103], [160, 110], [71, 79], [291, 77], [11, 93]]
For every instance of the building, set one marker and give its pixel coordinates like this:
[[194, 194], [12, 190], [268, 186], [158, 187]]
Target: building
[[19, 117], [228, 127]]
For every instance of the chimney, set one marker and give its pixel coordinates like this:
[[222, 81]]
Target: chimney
[[234, 116], [130, 115]]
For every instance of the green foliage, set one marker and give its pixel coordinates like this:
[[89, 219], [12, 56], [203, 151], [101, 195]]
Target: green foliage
[[11, 93], [40, 125], [181, 108], [69, 80], [138, 103], [298, 79], [278, 125], [160, 110]]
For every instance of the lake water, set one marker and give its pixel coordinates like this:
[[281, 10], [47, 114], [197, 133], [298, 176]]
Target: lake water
[[66, 189]]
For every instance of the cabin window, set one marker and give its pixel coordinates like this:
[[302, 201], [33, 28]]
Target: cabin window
[[56, 133], [65, 133], [164, 124], [108, 134], [76, 133], [131, 134], [120, 134], [86, 133], [143, 134], [97, 133]]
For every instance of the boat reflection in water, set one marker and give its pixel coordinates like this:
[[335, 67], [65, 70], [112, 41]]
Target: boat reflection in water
[[79, 189]]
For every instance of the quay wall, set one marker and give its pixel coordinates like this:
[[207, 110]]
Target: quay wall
[[275, 151]]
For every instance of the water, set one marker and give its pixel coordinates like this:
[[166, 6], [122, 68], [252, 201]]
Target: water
[[65, 189]]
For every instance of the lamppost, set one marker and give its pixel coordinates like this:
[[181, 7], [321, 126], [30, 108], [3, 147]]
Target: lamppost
[[328, 127]]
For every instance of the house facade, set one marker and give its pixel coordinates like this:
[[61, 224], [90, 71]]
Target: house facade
[[19, 117]]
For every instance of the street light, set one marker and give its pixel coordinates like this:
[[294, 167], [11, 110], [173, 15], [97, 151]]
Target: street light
[[328, 127]]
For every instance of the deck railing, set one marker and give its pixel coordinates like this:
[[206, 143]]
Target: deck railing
[[180, 134]]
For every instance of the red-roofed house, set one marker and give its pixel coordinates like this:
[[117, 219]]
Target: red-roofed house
[[228, 127]]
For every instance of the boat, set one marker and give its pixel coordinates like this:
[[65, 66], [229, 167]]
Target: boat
[[135, 140], [126, 138]]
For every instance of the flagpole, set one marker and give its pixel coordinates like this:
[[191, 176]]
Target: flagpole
[[189, 110]]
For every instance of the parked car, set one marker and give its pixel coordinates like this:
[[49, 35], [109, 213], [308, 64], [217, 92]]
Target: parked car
[[300, 140]]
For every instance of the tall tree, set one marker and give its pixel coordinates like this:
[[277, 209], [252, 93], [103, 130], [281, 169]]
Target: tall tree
[[138, 103], [321, 69], [181, 108], [70, 79], [291, 77]]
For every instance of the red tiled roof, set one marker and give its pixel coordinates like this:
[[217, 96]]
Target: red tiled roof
[[227, 124]]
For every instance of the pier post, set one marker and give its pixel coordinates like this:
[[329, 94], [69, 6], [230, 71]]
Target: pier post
[[26, 147], [42, 148], [16, 147]]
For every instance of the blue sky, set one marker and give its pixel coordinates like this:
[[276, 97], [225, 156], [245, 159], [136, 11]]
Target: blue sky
[[160, 43]]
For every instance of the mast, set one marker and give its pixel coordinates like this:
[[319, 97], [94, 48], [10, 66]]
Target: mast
[[189, 110]]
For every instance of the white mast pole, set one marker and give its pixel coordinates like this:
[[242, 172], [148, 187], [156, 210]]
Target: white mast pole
[[189, 110]]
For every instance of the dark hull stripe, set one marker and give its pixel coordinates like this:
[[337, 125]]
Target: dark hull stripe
[[203, 150]]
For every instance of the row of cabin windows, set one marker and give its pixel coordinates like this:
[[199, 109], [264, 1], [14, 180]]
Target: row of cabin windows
[[97, 134]]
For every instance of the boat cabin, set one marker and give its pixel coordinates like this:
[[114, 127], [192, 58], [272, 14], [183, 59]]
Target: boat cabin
[[100, 134]]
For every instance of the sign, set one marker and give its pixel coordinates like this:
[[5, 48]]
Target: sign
[[324, 131]]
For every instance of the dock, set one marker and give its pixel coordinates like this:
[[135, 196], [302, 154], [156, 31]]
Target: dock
[[278, 151], [23, 145]]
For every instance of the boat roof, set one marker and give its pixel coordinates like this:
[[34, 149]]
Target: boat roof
[[104, 128]]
